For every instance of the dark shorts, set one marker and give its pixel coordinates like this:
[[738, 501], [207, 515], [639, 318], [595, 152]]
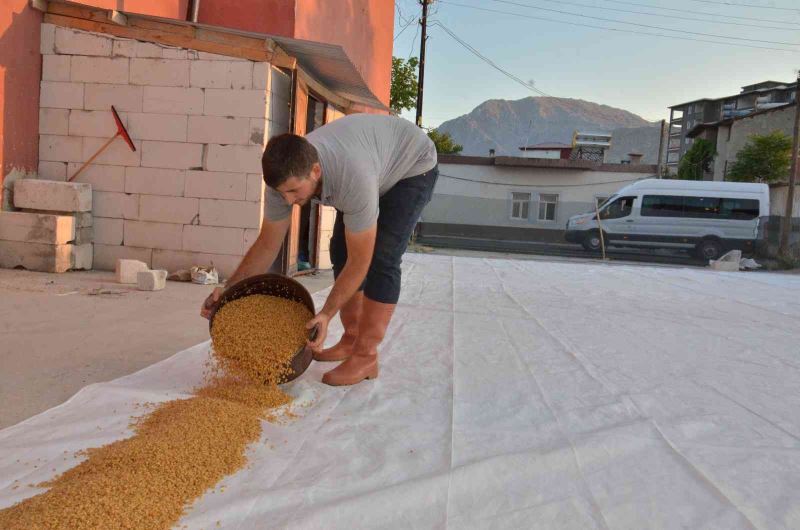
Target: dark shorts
[[400, 209]]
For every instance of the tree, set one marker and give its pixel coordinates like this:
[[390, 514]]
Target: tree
[[403, 95], [444, 142], [765, 158], [697, 160]]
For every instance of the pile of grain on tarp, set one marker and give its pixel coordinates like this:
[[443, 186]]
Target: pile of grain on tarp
[[183, 447]]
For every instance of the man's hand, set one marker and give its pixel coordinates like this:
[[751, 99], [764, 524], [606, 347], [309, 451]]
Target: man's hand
[[210, 302], [321, 323]]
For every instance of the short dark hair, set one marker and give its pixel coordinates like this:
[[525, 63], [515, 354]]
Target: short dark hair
[[287, 155]]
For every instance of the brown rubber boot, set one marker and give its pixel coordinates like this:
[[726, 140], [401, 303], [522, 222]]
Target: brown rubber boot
[[349, 314], [363, 364]]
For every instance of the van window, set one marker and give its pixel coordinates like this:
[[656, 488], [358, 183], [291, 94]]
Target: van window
[[621, 207], [740, 209], [662, 206], [701, 207]]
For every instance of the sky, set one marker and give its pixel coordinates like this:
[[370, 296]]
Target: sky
[[643, 74]]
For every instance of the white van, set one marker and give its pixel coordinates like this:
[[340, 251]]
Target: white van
[[707, 217]]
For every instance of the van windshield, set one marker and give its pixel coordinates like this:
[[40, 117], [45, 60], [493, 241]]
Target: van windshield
[[618, 208]]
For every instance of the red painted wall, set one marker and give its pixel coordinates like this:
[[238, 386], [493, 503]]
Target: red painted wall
[[20, 72], [158, 8], [275, 17], [364, 28]]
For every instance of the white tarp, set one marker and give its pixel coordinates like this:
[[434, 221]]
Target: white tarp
[[513, 394]]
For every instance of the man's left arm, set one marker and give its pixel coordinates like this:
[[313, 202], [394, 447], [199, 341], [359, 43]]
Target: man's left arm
[[360, 247]]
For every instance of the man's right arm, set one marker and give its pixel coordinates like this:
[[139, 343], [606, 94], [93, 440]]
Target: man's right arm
[[257, 260]]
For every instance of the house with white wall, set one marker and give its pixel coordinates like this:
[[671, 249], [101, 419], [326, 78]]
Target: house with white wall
[[504, 203]]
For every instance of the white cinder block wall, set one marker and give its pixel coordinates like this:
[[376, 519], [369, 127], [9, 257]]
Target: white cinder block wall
[[192, 193]]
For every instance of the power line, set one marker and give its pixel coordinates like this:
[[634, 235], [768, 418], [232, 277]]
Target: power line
[[619, 30], [489, 61], [731, 4], [544, 185], [651, 6], [414, 40], [648, 26], [693, 19], [405, 21]]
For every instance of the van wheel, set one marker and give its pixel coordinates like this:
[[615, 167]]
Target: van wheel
[[592, 241], [708, 249]]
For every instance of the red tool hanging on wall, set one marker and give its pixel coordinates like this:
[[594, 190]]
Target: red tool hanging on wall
[[121, 131]]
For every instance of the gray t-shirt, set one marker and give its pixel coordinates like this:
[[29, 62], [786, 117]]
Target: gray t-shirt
[[362, 157]]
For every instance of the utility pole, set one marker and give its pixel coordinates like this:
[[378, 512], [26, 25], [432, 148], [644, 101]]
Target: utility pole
[[424, 22], [660, 149], [786, 229]]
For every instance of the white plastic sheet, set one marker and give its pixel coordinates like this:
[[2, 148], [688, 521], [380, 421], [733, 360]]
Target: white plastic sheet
[[513, 394]]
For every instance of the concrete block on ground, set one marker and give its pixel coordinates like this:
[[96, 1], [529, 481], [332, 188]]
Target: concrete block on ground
[[53, 196], [82, 256], [125, 98], [151, 280], [55, 67], [60, 95], [37, 228], [241, 103], [213, 240], [159, 72], [72, 42], [154, 181], [39, 257], [173, 100], [216, 185], [106, 256], [172, 155], [53, 170], [60, 148], [168, 236], [164, 127], [54, 121], [174, 260], [128, 269], [102, 177], [233, 214], [115, 205], [233, 158], [112, 70], [116, 154], [255, 187], [219, 130], [178, 210], [108, 231], [732, 255]]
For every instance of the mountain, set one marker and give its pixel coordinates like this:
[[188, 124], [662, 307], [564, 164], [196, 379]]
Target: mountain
[[505, 126]]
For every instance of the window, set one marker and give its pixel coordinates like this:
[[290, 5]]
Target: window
[[547, 207], [739, 209], [662, 206], [600, 200], [621, 207], [701, 207], [520, 203]]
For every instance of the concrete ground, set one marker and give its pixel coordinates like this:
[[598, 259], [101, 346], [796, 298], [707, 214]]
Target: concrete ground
[[61, 332]]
